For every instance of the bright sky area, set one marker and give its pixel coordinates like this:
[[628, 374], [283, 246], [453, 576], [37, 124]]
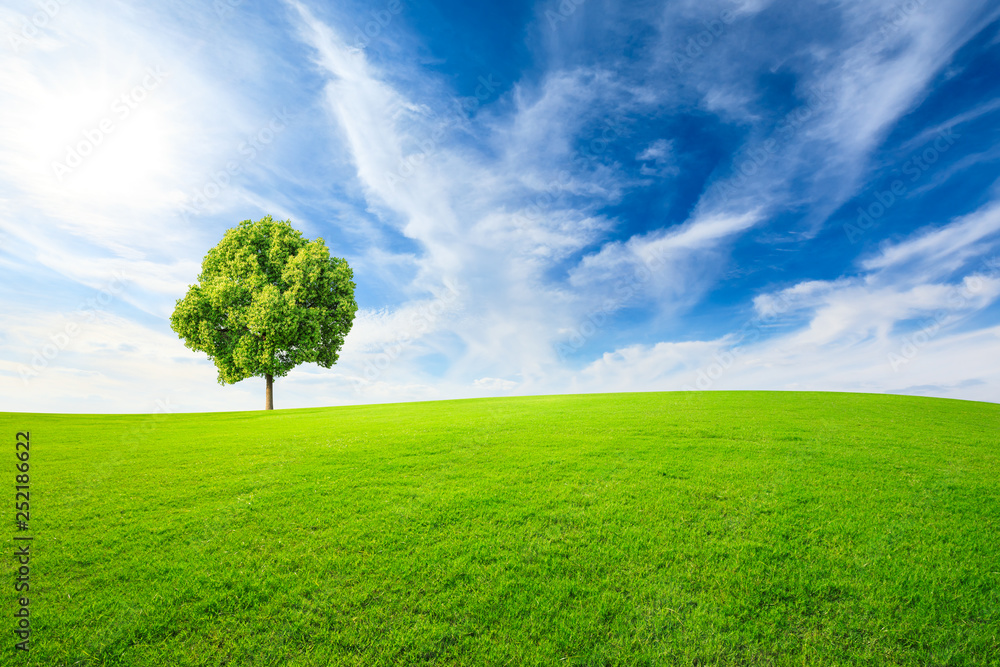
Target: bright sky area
[[536, 197]]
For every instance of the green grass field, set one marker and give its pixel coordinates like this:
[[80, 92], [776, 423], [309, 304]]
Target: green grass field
[[720, 528]]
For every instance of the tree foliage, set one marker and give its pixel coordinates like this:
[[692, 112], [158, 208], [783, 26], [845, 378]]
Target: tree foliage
[[267, 300]]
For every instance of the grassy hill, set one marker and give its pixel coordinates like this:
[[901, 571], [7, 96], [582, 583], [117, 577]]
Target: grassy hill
[[729, 528]]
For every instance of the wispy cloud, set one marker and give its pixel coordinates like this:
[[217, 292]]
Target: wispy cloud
[[938, 252], [866, 333]]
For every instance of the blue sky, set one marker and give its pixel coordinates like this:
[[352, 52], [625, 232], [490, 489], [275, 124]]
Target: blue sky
[[536, 197]]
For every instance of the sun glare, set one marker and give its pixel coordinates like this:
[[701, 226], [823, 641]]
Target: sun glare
[[103, 141]]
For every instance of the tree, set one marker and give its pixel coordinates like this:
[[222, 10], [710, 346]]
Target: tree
[[267, 300]]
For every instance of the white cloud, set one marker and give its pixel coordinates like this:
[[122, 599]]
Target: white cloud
[[494, 384], [456, 205], [938, 252], [673, 266], [888, 330], [852, 93]]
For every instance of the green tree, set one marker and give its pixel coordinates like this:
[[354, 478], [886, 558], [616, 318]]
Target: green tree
[[267, 300]]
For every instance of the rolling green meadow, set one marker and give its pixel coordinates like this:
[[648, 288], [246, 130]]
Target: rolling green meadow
[[691, 528]]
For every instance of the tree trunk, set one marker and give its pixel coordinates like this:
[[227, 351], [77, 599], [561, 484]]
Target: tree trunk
[[269, 402]]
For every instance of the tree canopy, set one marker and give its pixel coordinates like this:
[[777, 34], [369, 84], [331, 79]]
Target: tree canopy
[[267, 300]]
